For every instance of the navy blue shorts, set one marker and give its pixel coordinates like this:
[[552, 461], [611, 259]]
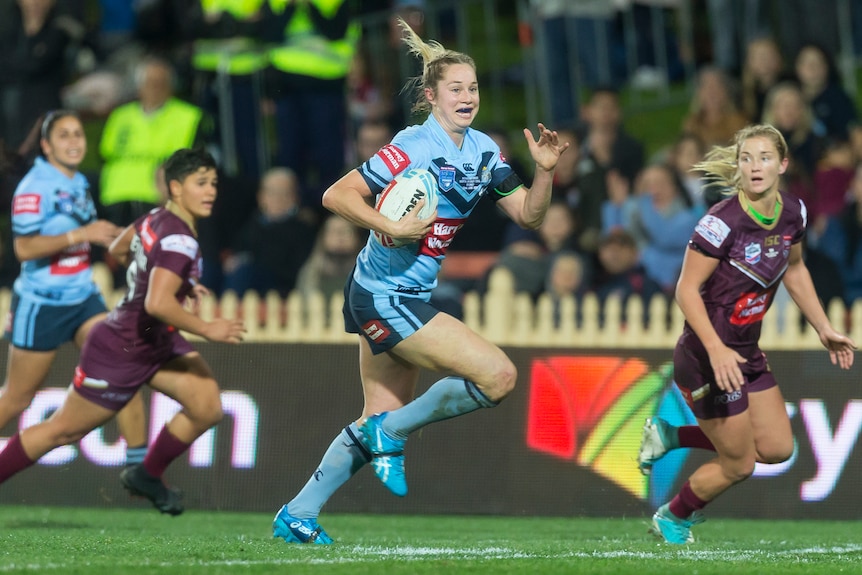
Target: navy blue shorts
[[37, 326], [384, 320]]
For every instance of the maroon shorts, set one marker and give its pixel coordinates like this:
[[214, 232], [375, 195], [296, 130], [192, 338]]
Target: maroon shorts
[[695, 379], [112, 369]]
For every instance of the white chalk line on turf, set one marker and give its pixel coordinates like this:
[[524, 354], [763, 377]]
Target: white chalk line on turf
[[368, 554]]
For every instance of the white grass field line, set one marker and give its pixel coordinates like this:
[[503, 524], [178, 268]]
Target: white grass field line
[[370, 554]]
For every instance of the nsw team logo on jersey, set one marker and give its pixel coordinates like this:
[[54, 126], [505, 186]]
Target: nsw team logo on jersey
[[64, 203], [446, 177]]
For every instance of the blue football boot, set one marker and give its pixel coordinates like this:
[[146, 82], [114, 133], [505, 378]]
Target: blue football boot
[[657, 439], [295, 530], [387, 454], [671, 528]]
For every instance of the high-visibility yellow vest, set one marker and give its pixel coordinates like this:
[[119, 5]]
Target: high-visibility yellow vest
[[237, 56], [306, 53], [134, 144]]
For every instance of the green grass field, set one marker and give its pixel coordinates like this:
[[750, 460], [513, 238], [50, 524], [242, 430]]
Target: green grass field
[[119, 541]]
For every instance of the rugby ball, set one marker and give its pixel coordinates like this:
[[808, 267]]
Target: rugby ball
[[402, 195]]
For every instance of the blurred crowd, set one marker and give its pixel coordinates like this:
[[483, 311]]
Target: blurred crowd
[[290, 94]]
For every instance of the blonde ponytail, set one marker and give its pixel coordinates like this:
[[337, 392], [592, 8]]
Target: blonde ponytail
[[435, 59]]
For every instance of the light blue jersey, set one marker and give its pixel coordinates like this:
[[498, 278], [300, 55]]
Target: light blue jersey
[[463, 177], [49, 203]]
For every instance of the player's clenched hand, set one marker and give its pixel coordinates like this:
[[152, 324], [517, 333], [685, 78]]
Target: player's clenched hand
[[725, 365], [225, 330], [411, 228]]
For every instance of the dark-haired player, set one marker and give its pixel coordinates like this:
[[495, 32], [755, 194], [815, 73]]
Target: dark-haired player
[[140, 342]]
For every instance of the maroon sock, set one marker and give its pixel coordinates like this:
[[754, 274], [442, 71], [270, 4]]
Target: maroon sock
[[686, 502], [13, 458], [693, 436], [164, 449]]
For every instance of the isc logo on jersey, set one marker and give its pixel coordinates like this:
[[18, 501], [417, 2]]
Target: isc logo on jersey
[[401, 197]]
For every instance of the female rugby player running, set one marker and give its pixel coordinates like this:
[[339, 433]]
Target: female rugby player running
[[387, 295]]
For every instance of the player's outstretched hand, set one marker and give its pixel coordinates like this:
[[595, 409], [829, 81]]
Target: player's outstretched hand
[[101, 232], [840, 347], [225, 330], [547, 149]]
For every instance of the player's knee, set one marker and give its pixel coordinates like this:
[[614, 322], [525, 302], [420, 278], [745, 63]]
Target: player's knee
[[739, 469], [211, 409], [503, 381], [777, 453], [205, 409]]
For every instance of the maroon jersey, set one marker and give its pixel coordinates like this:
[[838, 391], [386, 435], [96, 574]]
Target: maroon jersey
[[752, 260], [161, 240]]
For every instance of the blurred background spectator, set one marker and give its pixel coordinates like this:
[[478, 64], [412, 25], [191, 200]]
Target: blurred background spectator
[[332, 259], [228, 60], [314, 43], [34, 39], [274, 242], [138, 136]]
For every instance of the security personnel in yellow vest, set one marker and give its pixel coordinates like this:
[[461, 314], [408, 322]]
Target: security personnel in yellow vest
[[316, 40], [138, 137], [228, 60]]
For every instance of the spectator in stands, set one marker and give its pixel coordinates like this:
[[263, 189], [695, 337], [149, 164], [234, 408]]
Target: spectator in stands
[[314, 43], [33, 43], [584, 194], [733, 23], [579, 41], [228, 61], [619, 272], [713, 116], [370, 137], [763, 69], [528, 253], [786, 109], [661, 221], [272, 245], [833, 181], [567, 277], [801, 22], [367, 103], [833, 109], [332, 258], [841, 241], [687, 151], [605, 145], [138, 136]]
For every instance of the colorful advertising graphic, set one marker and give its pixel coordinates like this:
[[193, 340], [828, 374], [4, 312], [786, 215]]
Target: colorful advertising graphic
[[592, 409]]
